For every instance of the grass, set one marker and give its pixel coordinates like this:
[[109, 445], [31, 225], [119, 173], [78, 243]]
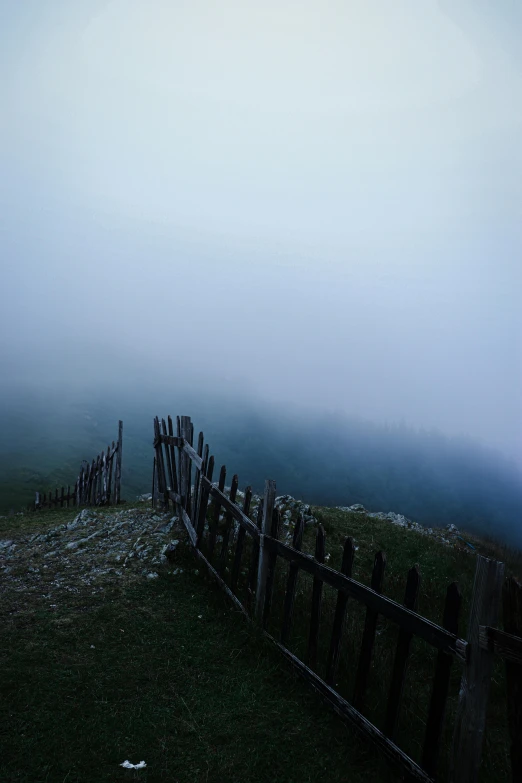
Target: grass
[[163, 671], [177, 678], [439, 566]]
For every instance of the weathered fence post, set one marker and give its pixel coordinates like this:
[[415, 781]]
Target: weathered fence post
[[263, 562], [117, 477], [476, 677], [512, 595], [162, 498], [184, 490]]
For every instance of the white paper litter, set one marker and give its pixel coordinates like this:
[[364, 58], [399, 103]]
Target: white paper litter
[[128, 765]]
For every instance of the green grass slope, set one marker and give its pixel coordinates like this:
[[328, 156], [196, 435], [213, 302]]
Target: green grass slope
[[167, 672]]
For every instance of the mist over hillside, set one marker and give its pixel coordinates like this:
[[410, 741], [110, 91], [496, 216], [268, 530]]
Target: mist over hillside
[[325, 459], [300, 231]]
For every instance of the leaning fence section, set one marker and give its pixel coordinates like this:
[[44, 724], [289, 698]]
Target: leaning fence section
[[243, 554], [98, 483]]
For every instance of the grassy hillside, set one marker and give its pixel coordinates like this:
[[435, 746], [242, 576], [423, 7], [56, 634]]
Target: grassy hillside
[[325, 460], [166, 671], [161, 670]]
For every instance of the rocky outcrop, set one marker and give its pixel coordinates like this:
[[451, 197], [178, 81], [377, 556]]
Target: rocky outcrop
[[449, 535], [94, 548]]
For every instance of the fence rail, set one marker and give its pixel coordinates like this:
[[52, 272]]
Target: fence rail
[[98, 483], [205, 508]]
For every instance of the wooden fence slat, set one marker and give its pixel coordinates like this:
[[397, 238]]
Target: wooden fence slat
[[240, 542], [108, 459], [263, 565], [184, 462], [254, 560], [189, 526], [441, 681], [201, 476], [110, 464], [99, 482], [345, 710], [119, 455], [190, 438], [401, 656], [176, 441], [192, 453], [433, 634], [512, 605], [96, 484], [88, 488], [161, 478], [340, 614], [62, 497], [93, 483], [317, 596], [88, 481], [83, 483], [170, 477], [179, 450], [236, 512], [227, 528], [291, 583], [103, 479], [476, 676], [172, 450], [271, 562], [368, 640], [197, 479], [501, 643], [203, 501], [216, 513]]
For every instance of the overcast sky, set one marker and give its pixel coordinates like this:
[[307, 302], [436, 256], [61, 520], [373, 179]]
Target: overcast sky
[[325, 196]]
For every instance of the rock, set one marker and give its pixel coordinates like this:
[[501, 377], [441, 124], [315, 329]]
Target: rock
[[165, 525], [152, 575], [84, 517], [169, 550], [145, 497], [452, 529]]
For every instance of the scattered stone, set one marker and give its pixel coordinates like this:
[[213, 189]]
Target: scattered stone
[[402, 521], [169, 550]]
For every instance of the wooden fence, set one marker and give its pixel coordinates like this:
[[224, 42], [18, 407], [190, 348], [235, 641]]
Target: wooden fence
[[199, 504], [98, 483]]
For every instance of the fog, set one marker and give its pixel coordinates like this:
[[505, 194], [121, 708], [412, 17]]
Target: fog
[[314, 204]]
